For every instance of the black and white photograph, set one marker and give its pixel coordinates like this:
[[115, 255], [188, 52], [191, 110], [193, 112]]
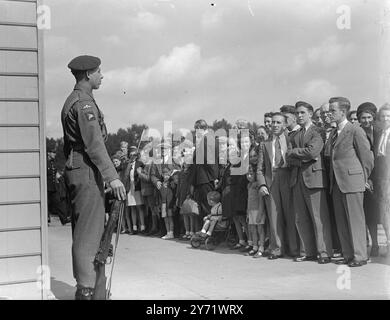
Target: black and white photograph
[[211, 151]]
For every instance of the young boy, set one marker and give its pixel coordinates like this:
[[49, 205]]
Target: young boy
[[166, 199], [213, 199]]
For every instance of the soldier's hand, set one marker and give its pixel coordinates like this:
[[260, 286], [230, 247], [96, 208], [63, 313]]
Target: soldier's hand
[[118, 189]]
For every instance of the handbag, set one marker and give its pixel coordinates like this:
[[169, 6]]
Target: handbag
[[189, 206]]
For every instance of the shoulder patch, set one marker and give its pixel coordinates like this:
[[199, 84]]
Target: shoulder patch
[[87, 106]]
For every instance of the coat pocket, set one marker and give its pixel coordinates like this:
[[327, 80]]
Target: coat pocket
[[355, 171]]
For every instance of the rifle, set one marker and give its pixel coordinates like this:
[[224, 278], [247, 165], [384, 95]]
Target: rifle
[[106, 252]]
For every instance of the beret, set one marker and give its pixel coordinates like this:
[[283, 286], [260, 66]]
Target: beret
[[366, 107], [84, 63]]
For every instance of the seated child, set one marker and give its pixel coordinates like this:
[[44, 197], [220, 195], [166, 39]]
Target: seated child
[[213, 198]]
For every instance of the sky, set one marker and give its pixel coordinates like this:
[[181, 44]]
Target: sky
[[184, 60]]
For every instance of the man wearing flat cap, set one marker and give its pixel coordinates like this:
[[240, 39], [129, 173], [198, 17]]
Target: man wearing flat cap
[[87, 168]]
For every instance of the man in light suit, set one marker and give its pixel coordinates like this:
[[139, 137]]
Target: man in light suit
[[308, 181], [273, 177], [350, 167], [382, 169]]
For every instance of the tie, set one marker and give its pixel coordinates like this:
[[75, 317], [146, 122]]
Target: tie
[[334, 137], [303, 131], [278, 153]]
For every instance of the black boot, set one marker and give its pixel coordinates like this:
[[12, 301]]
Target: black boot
[[83, 293]]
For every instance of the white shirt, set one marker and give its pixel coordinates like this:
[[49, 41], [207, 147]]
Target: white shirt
[[296, 128], [383, 142], [341, 126], [283, 147]]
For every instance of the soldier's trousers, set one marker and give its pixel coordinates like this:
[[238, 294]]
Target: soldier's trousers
[[86, 193]]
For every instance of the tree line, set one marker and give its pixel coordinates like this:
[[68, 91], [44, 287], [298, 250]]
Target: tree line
[[131, 135]]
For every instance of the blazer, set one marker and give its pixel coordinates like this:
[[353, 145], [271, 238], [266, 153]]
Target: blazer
[[381, 170], [264, 174], [125, 175], [203, 173], [351, 159], [305, 157]]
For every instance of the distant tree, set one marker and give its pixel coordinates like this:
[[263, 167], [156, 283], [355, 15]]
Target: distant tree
[[221, 124]]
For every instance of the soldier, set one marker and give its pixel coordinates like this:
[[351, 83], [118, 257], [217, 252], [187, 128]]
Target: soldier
[[87, 167]]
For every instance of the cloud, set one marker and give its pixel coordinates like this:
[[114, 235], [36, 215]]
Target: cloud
[[318, 90], [147, 21], [328, 53], [212, 18], [112, 40], [181, 64]]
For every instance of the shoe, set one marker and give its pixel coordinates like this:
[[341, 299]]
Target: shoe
[[237, 246], [130, 232], [246, 248], [324, 260], [343, 261], [184, 237], [252, 252], [123, 232], [304, 258], [168, 236], [374, 251], [273, 256], [203, 235], [151, 232], [354, 263], [258, 254], [84, 293]]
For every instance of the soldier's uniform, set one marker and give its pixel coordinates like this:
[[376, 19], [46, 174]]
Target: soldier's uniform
[[87, 167]]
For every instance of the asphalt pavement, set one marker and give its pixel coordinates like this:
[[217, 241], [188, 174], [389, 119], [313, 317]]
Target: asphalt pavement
[[152, 268]]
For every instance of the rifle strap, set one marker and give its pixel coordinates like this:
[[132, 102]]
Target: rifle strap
[[119, 225]]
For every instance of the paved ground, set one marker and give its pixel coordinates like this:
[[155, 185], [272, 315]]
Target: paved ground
[[152, 268]]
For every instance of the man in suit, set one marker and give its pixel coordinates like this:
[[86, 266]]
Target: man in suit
[[204, 170], [382, 169], [351, 165], [273, 177], [309, 182]]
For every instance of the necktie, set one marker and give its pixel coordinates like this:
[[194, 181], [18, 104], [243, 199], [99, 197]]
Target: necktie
[[278, 153], [334, 137], [303, 131]]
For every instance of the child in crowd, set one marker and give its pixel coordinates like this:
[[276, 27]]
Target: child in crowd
[[166, 203], [132, 182], [210, 221], [255, 215], [183, 193]]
